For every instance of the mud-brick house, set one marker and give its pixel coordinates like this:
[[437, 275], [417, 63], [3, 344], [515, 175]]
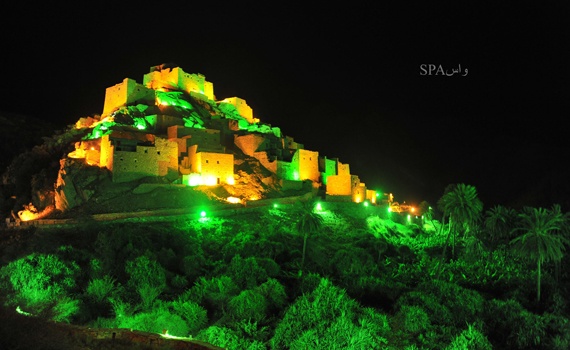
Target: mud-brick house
[[343, 186], [201, 157], [132, 155]]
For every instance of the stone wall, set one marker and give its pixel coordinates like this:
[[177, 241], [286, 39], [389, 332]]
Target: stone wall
[[176, 79], [215, 168], [339, 185], [126, 92], [307, 164], [242, 108]]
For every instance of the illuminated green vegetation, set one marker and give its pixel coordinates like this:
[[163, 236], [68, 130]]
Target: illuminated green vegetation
[[313, 275]]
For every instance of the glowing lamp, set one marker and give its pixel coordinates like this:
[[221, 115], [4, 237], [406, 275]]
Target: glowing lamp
[[194, 180], [210, 180], [233, 200]]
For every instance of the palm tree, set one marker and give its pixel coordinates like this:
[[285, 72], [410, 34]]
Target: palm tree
[[308, 223], [540, 241], [461, 205], [499, 222]]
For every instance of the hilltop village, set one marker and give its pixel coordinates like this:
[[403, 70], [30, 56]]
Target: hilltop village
[[172, 127]]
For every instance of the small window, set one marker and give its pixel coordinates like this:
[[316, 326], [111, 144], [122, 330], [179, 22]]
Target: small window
[[207, 161], [217, 162], [158, 152]]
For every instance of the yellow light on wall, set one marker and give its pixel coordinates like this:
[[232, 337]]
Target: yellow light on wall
[[209, 180], [230, 180], [233, 200], [194, 180]]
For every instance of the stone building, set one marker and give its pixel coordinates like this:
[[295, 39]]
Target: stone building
[[131, 156], [181, 132]]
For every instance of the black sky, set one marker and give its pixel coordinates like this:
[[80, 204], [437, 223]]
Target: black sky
[[342, 79]]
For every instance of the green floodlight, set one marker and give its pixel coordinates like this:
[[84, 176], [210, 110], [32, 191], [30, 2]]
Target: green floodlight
[[275, 205], [203, 213], [365, 203], [22, 312], [319, 206]]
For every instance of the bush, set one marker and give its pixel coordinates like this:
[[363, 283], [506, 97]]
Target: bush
[[274, 294], [100, 288], [156, 321], [515, 327], [470, 338], [248, 305], [221, 336], [195, 316], [446, 303], [214, 293], [147, 277], [318, 317], [414, 319], [341, 334], [41, 285], [246, 273], [438, 313]]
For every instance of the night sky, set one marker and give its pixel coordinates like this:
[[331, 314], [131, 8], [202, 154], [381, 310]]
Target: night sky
[[345, 80]]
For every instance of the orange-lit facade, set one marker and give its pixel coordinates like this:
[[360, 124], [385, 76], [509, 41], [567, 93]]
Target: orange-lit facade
[[195, 154]]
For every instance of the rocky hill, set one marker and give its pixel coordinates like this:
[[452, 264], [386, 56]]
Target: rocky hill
[[62, 178]]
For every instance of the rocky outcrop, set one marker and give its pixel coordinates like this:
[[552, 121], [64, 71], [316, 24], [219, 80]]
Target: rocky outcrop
[[77, 182]]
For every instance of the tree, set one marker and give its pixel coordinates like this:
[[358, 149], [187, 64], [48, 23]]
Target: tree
[[147, 278], [463, 208], [540, 241], [42, 285], [499, 222], [308, 223]]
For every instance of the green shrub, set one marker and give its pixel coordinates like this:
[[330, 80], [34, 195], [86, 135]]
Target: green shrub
[[100, 288], [414, 319], [341, 334], [213, 293], [470, 338], [510, 324], [314, 312], [65, 309], [221, 336], [438, 313], [155, 321], [248, 305], [274, 293], [446, 303], [41, 285], [147, 278], [195, 315], [246, 273]]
